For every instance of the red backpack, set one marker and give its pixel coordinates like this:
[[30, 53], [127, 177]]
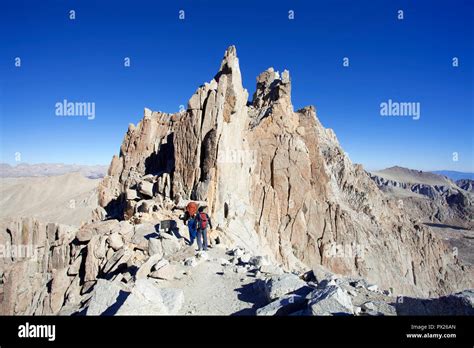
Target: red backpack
[[202, 221]]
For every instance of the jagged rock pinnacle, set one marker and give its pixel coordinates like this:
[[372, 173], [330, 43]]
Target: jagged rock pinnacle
[[272, 88], [230, 51], [230, 62]]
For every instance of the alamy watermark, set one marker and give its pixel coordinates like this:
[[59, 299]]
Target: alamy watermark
[[344, 250], [233, 156], [402, 109], [20, 251], [83, 109], [28, 330]]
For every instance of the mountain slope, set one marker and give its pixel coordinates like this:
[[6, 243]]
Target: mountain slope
[[67, 199], [50, 169]]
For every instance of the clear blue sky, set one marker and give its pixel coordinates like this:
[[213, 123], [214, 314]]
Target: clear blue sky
[[82, 60]]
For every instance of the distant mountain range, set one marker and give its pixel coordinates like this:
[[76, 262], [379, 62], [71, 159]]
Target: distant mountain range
[[453, 175], [433, 197], [413, 176], [51, 169], [440, 178], [99, 171]]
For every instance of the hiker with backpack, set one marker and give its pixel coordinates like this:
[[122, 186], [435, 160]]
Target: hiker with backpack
[[190, 220], [203, 221], [192, 227]]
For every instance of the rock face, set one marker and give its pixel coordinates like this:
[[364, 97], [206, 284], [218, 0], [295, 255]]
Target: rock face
[[277, 182], [96, 270], [34, 255]]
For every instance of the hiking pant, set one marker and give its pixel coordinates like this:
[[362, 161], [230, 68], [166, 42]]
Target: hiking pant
[[202, 234], [192, 236]]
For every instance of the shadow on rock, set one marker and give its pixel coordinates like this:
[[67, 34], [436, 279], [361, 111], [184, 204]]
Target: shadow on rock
[[112, 310], [461, 303], [249, 293]]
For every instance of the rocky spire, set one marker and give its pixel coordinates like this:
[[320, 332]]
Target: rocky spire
[[272, 97], [230, 62], [272, 88]]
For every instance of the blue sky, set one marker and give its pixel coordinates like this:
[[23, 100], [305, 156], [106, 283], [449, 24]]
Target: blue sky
[[82, 60]]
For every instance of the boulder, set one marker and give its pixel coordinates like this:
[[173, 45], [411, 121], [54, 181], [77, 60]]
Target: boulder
[[142, 233], [147, 206], [240, 269], [280, 285], [321, 273], [159, 264], [85, 234], [327, 282], [147, 298], [126, 229], [105, 294], [115, 241], [154, 247], [170, 246], [284, 305], [257, 261], [166, 272], [131, 194], [372, 287], [271, 269], [145, 188], [98, 214], [236, 252], [331, 300], [166, 235], [378, 308], [245, 258], [359, 283], [145, 269], [119, 258]]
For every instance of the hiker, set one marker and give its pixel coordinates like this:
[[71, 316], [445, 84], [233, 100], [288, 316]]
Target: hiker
[[190, 220], [203, 222], [192, 227]]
